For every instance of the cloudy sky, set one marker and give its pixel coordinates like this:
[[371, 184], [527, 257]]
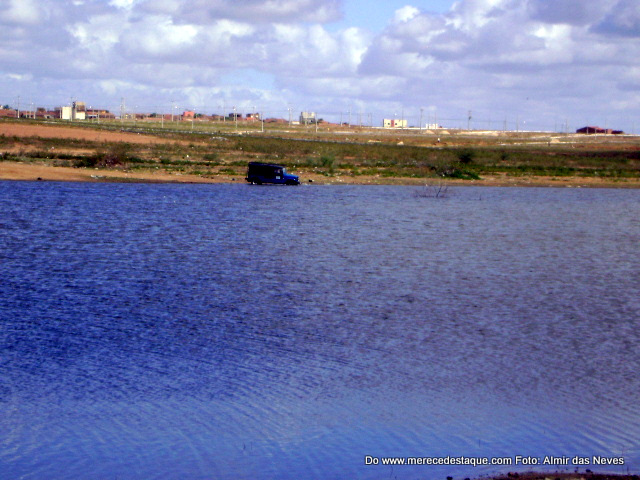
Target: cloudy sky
[[528, 64]]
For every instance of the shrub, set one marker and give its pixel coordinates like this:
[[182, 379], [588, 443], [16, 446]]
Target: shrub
[[466, 156], [328, 162], [117, 155]]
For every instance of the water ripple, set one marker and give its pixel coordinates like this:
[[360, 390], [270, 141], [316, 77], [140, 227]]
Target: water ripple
[[195, 332]]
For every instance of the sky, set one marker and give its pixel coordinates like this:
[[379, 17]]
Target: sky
[[500, 64]]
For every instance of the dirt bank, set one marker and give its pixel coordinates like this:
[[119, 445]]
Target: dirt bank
[[36, 171]]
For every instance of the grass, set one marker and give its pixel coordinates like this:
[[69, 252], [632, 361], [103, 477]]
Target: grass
[[377, 153]]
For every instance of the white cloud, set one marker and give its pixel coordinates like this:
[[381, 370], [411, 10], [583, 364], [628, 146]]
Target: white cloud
[[493, 54], [125, 4], [485, 55], [157, 37], [405, 14], [20, 12], [311, 51], [255, 11]]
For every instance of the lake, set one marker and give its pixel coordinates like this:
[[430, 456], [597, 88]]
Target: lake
[[244, 332]]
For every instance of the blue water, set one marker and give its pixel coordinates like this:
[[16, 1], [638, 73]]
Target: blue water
[[244, 332]]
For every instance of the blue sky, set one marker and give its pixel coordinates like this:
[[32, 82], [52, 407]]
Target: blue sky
[[533, 64]]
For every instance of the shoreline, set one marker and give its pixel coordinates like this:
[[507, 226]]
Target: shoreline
[[21, 171]]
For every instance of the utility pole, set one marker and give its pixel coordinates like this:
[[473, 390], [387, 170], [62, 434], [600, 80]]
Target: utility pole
[[421, 112], [122, 110], [469, 121], [18, 106], [235, 116]]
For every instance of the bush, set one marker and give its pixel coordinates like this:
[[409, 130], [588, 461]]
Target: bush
[[466, 156], [117, 155], [327, 161], [452, 171]]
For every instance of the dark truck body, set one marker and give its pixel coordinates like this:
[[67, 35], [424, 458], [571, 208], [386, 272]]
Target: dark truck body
[[260, 173]]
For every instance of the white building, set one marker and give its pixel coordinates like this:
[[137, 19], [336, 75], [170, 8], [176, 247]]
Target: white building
[[77, 111], [307, 118], [65, 113]]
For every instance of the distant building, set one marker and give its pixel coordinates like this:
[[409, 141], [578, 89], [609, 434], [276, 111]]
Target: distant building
[[590, 130], [307, 118], [8, 113], [95, 113], [394, 123], [253, 117], [77, 111], [43, 113], [65, 113], [188, 115]]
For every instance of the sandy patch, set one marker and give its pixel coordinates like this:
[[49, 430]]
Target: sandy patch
[[34, 171]]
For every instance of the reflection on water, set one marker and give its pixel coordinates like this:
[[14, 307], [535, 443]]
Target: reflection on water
[[197, 332]]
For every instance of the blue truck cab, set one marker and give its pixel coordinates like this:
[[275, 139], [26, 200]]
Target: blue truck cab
[[259, 173]]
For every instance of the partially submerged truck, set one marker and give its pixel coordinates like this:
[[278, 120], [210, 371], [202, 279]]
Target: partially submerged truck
[[259, 173]]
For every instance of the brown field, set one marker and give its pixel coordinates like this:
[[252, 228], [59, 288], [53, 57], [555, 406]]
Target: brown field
[[93, 135]]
